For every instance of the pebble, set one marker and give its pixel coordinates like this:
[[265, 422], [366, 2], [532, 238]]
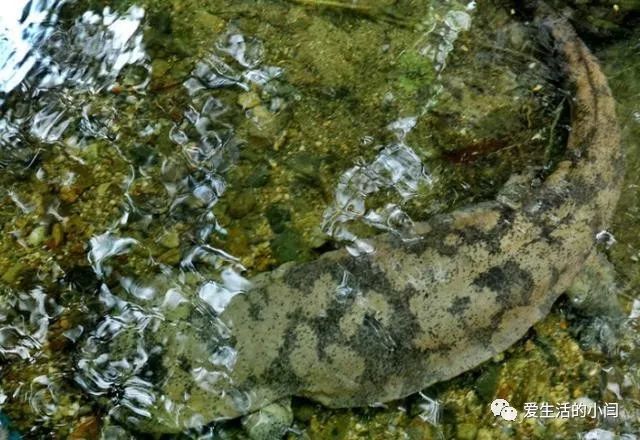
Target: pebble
[[37, 236], [170, 239], [269, 423]]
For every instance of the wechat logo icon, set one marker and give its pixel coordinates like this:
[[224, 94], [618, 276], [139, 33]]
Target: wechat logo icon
[[501, 408]]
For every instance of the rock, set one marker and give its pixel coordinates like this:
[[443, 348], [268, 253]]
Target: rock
[[241, 205], [289, 246], [114, 432], [487, 382], [249, 100], [594, 290], [87, 428], [37, 236], [278, 217], [69, 194], [466, 431], [171, 257], [170, 239], [265, 122], [259, 177], [57, 235], [237, 242], [269, 423], [304, 411]]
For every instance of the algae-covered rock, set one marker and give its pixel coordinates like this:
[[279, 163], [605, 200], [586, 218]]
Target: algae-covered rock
[[288, 246], [278, 217], [13, 271], [242, 205], [170, 239], [37, 236], [270, 422]]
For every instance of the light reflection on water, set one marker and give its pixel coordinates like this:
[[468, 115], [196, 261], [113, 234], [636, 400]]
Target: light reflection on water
[[27, 316], [22, 31], [72, 73], [145, 310], [396, 166]]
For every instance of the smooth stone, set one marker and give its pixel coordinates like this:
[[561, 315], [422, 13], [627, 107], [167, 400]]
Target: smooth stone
[[271, 422]]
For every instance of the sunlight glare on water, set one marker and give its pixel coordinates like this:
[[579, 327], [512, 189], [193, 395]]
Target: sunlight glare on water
[[21, 32], [397, 166]]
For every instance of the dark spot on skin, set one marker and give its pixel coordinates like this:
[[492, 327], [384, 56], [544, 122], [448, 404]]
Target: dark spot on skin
[[258, 299], [582, 191], [302, 277], [545, 305], [491, 239], [555, 276], [443, 225], [387, 351], [280, 374], [494, 279], [327, 327], [418, 247], [254, 311], [483, 335], [512, 284], [459, 305], [545, 233], [379, 329], [579, 192]]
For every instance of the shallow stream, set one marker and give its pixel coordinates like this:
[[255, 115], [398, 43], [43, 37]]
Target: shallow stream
[[160, 153]]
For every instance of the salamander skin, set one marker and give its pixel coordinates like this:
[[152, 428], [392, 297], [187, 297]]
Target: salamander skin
[[427, 310]]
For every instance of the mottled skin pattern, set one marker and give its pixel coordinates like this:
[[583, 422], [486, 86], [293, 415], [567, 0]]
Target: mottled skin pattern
[[428, 310]]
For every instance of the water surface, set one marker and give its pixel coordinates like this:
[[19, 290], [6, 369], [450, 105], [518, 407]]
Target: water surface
[[156, 154]]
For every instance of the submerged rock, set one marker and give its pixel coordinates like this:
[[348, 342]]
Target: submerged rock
[[270, 422]]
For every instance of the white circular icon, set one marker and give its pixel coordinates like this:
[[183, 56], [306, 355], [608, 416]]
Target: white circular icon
[[509, 413], [501, 407], [497, 405]]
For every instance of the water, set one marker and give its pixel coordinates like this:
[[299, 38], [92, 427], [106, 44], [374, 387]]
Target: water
[[153, 160]]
